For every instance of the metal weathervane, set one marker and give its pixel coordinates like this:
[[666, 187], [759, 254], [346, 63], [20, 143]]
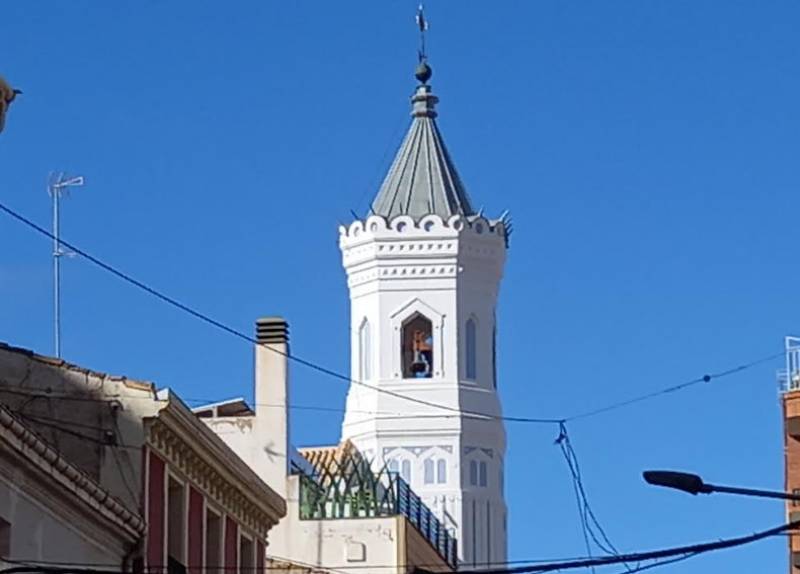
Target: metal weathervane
[[422, 23]]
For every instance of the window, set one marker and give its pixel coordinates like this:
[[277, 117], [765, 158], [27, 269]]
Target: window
[[494, 355], [471, 350], [473, 472], [441, 471], [364, 352], [482, 474], [417, 342], [5, 539], [246, 556], [428, 471], [405, 470], [176, 524], [394, 466], [213, 542]]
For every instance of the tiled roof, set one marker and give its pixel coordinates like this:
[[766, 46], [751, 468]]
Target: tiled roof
[[423, 179], [322, 457]]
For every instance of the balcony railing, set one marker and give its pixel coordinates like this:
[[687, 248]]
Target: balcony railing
[[411, 506], [351, 489], [789, 378]]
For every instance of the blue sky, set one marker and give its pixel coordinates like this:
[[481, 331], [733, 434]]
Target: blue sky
[[646, 150]]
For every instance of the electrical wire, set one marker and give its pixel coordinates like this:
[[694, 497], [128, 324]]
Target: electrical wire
[[704, 379], [663, 556], [340, 376], [694, 549], [586, 512], [588, 519], [658, 563], [245, 337], [76, 434]]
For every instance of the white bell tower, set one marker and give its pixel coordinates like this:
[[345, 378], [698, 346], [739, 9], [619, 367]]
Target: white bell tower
[[423, 271]]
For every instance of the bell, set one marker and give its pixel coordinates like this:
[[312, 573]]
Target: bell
[[420, 365]]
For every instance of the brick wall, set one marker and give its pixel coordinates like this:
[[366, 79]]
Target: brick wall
[[791, 418]]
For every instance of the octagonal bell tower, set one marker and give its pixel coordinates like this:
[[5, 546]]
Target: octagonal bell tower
[[423, 270]]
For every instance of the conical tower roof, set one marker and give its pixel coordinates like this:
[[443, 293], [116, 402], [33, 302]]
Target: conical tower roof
[[423, 179]]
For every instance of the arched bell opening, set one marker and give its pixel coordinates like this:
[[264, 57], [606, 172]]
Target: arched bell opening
[[417, 347]]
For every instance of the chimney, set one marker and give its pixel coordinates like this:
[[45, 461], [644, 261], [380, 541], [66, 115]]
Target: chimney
[[272, 398]]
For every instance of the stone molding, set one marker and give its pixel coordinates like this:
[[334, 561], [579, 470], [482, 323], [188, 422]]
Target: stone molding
[[183, 456]]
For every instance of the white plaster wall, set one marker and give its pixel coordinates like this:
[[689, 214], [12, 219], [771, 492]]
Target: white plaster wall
[[44, 527], [332, 544], [449, 272]]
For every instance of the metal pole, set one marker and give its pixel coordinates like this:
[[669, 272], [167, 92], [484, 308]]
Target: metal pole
[[55, 191], [754, 492]]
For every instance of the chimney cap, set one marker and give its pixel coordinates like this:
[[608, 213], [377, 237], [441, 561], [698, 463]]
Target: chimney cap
[[272, 330]]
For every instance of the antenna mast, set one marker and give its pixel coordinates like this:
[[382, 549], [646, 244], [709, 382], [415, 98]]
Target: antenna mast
[[58, 185]]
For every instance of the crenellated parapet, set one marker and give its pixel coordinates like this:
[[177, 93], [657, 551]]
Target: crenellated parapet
[[431, 247], [401, 226]]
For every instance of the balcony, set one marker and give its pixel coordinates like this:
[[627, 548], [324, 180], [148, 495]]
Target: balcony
[[345, 486]]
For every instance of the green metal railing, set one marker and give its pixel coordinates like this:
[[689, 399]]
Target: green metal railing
[[349, 488]]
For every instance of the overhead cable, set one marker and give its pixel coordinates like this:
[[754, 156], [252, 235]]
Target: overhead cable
[[343, 377]]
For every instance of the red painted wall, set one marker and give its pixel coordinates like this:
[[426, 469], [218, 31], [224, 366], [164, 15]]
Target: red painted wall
[[231, 544], [195, 550], [155, 514]]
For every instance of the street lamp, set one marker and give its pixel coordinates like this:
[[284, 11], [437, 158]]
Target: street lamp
[[693, 484]]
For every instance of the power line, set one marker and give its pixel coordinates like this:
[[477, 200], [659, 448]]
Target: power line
[[693, 549], [662, 557], [704, 379], [658, 563], [589, 522], [79, 435], [239, 334], [346, 378]]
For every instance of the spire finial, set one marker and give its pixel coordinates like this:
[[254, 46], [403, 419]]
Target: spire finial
[[423, 71]]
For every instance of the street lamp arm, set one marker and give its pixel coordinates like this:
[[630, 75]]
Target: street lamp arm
[[693, 484]]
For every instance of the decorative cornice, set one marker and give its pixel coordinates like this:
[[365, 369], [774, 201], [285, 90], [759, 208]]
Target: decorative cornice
[[46, 458], [225, 479], [430, 226]]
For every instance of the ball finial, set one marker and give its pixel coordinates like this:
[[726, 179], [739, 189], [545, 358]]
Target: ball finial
[[423, 72]]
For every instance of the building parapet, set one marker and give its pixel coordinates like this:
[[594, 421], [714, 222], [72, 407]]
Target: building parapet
[[343, 485]]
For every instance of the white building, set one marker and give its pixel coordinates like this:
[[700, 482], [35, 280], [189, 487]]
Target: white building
[[423, 271], [52, 511], [340, 514]]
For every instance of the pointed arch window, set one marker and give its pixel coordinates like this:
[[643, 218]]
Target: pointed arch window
[[441, 471], [364, 351], [417, 347], [471, 349], [494, 352], [405, 471], [473, 472], [482, 473], [428, 471]]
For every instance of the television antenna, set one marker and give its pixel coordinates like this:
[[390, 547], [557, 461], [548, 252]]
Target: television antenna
[[58, 185]]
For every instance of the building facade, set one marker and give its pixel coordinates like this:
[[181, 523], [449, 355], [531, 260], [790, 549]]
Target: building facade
[[423, 271], [790, 403], [50, 510], [341, 514], [143, 452]]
